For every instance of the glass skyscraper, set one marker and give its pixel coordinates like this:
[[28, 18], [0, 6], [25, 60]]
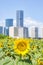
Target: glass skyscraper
[[25, 29], [8, 23], [1, 30], [19, 18], [36, 32], [6, 31]]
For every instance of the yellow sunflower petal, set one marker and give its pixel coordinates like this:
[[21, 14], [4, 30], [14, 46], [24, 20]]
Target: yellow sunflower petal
[[21, 46]]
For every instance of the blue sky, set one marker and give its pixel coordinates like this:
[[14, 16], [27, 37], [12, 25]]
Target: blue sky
[[32, 9]]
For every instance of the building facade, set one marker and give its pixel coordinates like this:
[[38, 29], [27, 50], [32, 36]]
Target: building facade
[[18, 32], [19, 18], [8, 23], [1, 30], [41, 32], [6, 31], [33, 32]]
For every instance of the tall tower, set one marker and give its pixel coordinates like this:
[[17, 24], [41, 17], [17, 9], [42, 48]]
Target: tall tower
[[19, 18], [8, 23], [34, 32], [1, 30]]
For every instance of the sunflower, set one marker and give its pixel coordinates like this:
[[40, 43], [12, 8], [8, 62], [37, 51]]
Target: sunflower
[[21, 46], [40, 61]]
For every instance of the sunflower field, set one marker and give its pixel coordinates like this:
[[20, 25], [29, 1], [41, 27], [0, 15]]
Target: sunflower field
[[22, 51]]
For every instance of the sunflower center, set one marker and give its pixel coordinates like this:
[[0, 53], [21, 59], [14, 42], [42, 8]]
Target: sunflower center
[[22, 46], [41, 63]]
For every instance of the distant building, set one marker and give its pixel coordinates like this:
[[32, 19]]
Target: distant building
[[1, 30], [33, 32], [25, 32], [41, 32], [36, 32], [8, 23], [18, 32], [6, 31], [19, 18]]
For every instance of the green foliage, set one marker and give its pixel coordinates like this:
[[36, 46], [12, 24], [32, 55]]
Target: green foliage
[[9, 57], [2, 36], [5, 60]]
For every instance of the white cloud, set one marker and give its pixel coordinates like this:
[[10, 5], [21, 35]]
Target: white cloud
[[28, 22]]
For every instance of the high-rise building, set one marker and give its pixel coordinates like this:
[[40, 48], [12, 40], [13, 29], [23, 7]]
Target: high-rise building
[[25, 32], [1, 30], [6, 31], [8, 23], [33, 32], [36, 32], [19, 18], [41, 32], [18, 32]]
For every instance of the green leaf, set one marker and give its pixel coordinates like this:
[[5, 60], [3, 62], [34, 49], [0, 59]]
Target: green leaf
[[11, 63], [2, 55]]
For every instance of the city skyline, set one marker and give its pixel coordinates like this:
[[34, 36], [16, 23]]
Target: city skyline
[[33, 10], [30, 31], [28, 22]]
